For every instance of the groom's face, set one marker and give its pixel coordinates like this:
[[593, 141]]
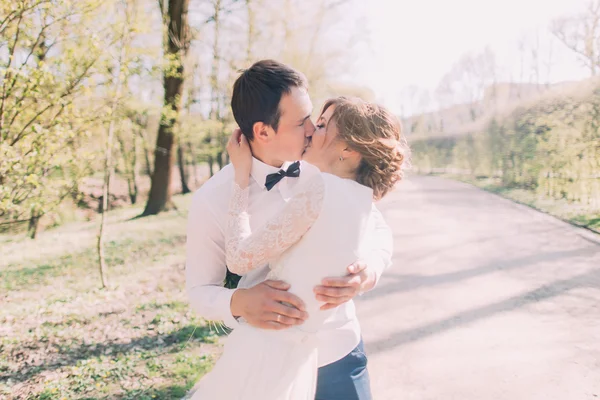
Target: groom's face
[[295, 127]]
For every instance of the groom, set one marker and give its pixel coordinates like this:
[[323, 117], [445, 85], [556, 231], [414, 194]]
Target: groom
[[271, 105]]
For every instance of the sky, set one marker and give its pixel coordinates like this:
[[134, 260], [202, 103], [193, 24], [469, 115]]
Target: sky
[[417, 42]]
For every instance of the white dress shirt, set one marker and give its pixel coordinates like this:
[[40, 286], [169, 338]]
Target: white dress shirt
[[205, 266]]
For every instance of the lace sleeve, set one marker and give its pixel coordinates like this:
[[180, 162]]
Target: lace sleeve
[[246, 250]]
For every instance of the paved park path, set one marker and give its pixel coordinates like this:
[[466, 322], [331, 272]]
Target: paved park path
[[486, 300]]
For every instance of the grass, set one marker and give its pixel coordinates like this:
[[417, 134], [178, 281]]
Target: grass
[[582, 215], [62, 337]]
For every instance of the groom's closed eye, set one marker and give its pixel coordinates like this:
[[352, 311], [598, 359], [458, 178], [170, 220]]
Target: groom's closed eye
[[303, 120]]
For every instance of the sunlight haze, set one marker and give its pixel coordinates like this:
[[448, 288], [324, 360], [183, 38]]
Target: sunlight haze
[[416, 43]]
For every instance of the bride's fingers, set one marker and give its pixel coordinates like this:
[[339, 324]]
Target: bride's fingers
[[230, 144], [237, 132], [344, 281], [330, 291], [243, 141], [234, 139], [329, 306], [333, 299], [331, 302]]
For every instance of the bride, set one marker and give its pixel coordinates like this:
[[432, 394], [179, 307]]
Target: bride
[[361, 153]]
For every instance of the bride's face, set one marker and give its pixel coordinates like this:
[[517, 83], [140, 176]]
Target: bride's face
[[324, 148]]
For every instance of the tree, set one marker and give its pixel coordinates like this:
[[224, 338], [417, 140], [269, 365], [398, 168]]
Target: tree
[[44, 115], [581, 34], [119, 68], [216, 112], [251, 35], [129, 157], [108, 167], [177, 39], [133, 143], [467, 79]]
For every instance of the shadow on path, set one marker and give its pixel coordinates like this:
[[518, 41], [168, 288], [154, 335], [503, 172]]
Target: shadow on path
[[409, 283], [590, 279]]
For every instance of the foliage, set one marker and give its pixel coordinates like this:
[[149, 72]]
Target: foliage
[[50, 56], [57, 92], [551, 147]]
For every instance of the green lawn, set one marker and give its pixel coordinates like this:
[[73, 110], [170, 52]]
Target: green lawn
[[61, 337]]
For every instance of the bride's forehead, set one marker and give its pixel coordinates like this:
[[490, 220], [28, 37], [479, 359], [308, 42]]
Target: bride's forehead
[[328, 113]]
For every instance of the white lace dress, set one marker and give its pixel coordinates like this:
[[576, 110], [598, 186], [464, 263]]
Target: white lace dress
[[317, 234]]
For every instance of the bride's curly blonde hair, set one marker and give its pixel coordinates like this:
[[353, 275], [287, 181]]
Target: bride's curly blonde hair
[[376, 134]]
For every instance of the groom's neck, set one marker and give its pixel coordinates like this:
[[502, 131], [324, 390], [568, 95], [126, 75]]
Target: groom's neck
[[263, 156]]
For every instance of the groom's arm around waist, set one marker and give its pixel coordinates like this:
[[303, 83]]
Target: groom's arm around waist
[[205, 263]]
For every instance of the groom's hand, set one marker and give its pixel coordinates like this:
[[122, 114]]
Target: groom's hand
[[336, 291], [268, 305]]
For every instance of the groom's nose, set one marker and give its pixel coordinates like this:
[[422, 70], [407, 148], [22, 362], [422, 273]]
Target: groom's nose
[[310, 129]]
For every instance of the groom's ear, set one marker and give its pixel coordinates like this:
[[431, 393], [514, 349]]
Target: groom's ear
[[262, 132]]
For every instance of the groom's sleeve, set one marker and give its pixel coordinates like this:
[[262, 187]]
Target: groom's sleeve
[[379, 258], [205, 264]]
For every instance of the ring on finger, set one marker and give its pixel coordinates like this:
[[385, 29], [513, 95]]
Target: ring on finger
[[278, 319]]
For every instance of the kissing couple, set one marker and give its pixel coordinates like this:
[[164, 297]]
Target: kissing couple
[[294, 215]]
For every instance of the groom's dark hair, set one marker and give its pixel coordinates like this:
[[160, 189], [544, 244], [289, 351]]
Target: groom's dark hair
[[258, 91]]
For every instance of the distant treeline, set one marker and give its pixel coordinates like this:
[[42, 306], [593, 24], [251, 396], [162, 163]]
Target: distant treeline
[[551, 146]]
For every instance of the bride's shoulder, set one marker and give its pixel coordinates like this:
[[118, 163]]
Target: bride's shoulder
[[312, 176], [344, 184], [308, 170]]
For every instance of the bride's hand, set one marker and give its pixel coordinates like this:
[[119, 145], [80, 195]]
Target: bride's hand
[[240, 156]]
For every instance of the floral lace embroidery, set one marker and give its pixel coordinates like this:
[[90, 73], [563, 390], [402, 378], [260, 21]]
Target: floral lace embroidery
[[246, 250]]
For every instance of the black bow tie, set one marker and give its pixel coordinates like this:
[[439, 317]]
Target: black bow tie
[[293, 171]]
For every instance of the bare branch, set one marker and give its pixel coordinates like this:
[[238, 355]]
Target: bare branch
[[581, 35]]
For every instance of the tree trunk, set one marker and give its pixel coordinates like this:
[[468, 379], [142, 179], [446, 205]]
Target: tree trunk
[[33, 225], [108, 164], [182, 174], [220, 160], [215, 108], [146, 153], [194, 166], [130, 167], [133, 191], [191, 98], [159, 198], [160, 195], [148, 167], [251, 31], [105, 192], [211, 162]]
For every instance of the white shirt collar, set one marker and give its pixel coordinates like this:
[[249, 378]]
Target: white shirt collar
[[260, 170]]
